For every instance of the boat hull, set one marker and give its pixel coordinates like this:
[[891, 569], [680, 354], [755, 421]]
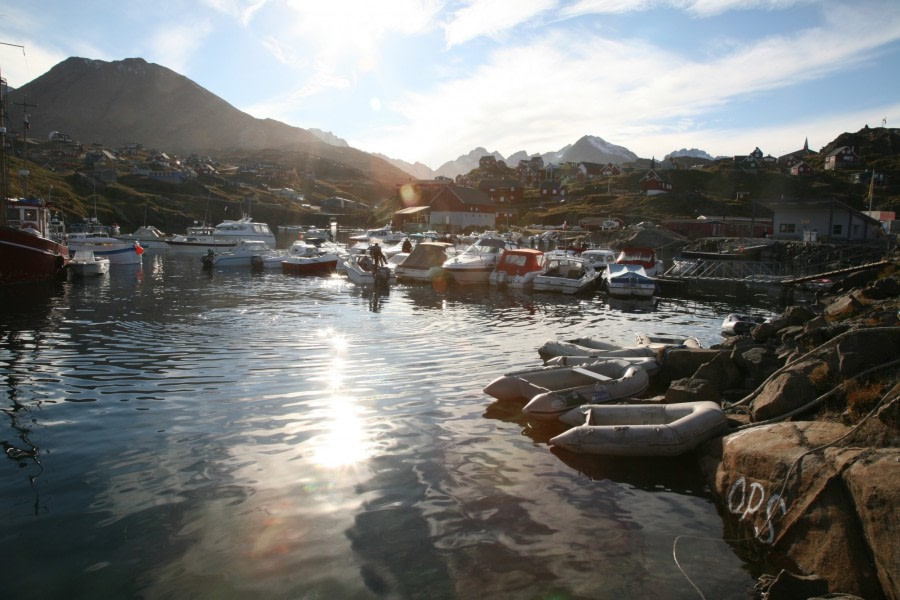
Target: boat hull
[[309, 266], [118, 253], [27, 258], [640, 429]]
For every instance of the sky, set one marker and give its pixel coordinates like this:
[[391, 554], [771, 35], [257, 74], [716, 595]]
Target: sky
[[430, 80]]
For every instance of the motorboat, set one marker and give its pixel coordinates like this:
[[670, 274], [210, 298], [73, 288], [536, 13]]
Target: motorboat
[[640, 429], [246, 254], [29, 253], [628, 281], [424, 263], [644, 345], [148, 236], [619, 383], [640, 255], [98, 241], [518, 268], [385, 235], [600, 258], [737, 324], [85, 264], [199, 239], [566, 274], [323, 263], [475, 263], [361, 271]]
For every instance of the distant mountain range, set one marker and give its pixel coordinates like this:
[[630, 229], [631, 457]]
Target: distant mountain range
[[133, 101]]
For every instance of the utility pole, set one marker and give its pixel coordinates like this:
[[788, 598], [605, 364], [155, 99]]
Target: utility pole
[[26, 124]]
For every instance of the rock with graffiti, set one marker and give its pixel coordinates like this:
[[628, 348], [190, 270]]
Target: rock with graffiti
[[809, 476]]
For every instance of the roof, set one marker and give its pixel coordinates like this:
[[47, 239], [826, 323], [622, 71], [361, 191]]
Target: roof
[[411, 210], [815, 204], [468, 195]]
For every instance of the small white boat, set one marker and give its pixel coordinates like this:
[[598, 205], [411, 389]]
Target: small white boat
[[424, 263], [566, 274], [628, 281], [518, 268], [475, 263], [645, 345], [323, 263], [85, 264], [735, 324], [359, 270], [246, 254], [600, 258], [640, 429], [148, 236], [118, 252], [551, 390]]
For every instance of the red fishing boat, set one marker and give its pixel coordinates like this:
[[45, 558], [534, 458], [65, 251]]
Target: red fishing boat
[[28, 251]]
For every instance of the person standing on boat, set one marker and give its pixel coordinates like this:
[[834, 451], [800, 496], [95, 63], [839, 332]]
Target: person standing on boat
[[377, 255], [407, 246]]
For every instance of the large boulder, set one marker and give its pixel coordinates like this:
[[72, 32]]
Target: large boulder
[[794, 387], [721, 372], [786, 501], [692, 389]]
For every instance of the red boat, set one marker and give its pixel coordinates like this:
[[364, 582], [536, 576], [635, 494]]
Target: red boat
[[639, 255], [28, 251]]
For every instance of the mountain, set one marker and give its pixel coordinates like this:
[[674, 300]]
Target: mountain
[[465, 163], [416, 171], [329, 138], [591, 149], [693, 153]]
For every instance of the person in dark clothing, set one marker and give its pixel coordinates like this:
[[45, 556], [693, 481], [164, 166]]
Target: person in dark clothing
[[407, 246], [377, 255]]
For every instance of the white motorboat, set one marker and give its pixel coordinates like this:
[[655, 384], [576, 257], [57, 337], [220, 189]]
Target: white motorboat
[[640, 429], [148, 236], [475, 263], [566, 274], [528, 383], [359, 269], [600, 258], [640, 255], [199, 239], [424, 263], [85, 264], [736, 324], [323, 263], [384, 235], [518, 268], [118, 252], [246, 254], [628, 281]]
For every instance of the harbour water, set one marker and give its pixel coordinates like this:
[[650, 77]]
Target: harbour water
[[174, 433]]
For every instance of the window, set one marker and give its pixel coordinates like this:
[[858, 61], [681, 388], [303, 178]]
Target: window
[[786, 228], [836, 229]]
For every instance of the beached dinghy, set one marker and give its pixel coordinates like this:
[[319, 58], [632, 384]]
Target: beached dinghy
[[640, 429], [645, 345], [630, 381], [651, 365], [612, 373]]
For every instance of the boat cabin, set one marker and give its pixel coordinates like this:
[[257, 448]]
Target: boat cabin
[[519, 261]]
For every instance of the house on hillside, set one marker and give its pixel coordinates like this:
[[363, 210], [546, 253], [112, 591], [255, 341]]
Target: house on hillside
[[610, 170], [652, 184], [588, 170], [487, 162], [801, 168], [552, 189], [457, 208], [791, 158], [821, 219], [841, 158]]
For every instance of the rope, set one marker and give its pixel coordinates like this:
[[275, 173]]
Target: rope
[[787, 476], [823, 346]]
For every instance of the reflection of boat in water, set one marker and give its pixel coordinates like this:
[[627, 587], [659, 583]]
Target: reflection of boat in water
[[640, 429], [85, 264]]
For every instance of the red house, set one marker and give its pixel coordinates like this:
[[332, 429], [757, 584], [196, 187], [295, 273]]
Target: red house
[[841, 158], [652, 184]]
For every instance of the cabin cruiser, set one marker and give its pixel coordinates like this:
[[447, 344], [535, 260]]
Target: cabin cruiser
[[424, 263], [246, 253], [600, 258], [360, 270], [628, 281], [224, 236], [475, 263], [84, 263], [566, 274], [518, 268], [91, 236], [148, 236]]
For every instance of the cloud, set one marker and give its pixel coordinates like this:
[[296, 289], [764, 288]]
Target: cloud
[[242, 11], [491, 18], [173, 46]]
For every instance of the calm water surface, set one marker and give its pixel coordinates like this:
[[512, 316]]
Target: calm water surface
[[172, 433]]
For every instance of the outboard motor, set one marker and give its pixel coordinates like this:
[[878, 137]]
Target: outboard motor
[[256, 263], [208, 258]]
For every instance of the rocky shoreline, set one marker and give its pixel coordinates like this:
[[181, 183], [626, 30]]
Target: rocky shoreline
[[808, 477]]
